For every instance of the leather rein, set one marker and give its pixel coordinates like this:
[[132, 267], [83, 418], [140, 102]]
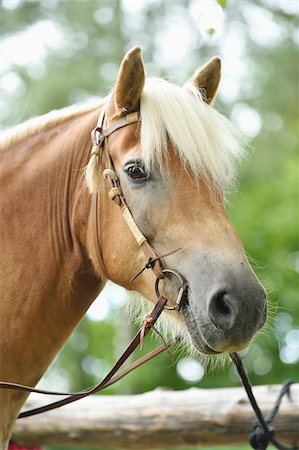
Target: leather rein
[[263, 434]]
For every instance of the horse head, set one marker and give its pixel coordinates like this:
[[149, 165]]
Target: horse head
[[173, 166]]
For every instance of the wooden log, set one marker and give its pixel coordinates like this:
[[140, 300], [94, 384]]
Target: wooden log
[[158, 419]]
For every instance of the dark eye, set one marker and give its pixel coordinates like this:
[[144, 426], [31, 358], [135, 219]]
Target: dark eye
[[136, 172]]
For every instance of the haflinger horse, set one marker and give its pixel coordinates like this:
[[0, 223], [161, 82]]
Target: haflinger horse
[[173, 164]]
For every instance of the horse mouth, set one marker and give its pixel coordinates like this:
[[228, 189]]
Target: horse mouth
[[194, 326], [194, 330], [205, 336]]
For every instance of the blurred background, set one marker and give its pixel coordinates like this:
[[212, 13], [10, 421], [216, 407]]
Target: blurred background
[[56, 53]]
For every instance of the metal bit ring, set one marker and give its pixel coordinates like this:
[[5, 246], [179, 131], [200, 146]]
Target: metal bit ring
[[182, 289]]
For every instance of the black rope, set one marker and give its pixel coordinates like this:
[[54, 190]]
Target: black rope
[[262, 434], [285, 390]]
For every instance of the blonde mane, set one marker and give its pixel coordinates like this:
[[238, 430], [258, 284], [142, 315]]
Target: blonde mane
[[207, 143], [34, 125]]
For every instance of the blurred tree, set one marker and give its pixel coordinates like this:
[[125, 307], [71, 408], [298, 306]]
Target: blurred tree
[[58, 53]]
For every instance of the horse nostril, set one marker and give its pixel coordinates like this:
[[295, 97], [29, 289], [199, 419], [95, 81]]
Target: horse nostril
[[221, 311], [222, 304]]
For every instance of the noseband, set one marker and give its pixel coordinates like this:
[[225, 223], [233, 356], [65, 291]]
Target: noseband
[[154, 262]]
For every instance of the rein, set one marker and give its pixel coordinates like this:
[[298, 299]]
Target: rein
[[111, 377], [262, 434]]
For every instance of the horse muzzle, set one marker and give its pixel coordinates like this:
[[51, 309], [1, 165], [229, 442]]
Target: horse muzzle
[[223, 305], [227, 320]]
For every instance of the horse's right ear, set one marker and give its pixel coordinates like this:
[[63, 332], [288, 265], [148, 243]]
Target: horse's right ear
[[207, 78], [129, 84]]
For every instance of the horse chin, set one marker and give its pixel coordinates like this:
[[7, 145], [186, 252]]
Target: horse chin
[[196, 335]]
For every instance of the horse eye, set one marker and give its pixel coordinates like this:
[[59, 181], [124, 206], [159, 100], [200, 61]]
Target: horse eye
[[136, 172]]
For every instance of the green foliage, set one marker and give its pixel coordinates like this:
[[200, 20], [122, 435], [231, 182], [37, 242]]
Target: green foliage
[[222, 3], [92, 38]]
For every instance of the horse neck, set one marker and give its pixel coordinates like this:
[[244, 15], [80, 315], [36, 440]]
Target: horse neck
[[47, 280]]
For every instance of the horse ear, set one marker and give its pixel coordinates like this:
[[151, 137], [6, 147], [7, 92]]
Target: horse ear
[[129, 83], [207, 78]]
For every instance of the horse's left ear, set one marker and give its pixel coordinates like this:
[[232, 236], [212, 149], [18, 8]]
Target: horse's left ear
[[129, 83], [207, 78]]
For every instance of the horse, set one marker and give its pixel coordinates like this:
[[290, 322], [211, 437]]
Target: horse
[[174, 164]]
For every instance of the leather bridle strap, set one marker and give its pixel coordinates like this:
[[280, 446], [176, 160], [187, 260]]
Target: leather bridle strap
[[95, 234], [100, 148], [111, 377]]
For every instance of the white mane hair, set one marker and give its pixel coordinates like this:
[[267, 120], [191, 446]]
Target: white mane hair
[[34, 125], [206, 142]]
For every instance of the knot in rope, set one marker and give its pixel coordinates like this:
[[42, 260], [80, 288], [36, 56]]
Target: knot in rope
[[115, 192], [259, 439], [263, 434], [145, 323], [95, 151], [148, 323], [110, 173]]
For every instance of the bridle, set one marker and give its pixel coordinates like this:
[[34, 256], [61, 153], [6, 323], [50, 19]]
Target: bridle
[[263, 434], [154, 262], [99, 150]]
